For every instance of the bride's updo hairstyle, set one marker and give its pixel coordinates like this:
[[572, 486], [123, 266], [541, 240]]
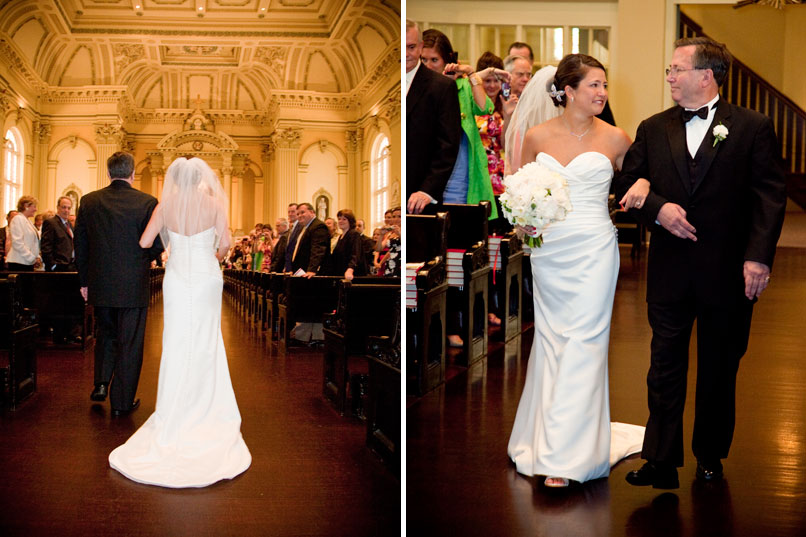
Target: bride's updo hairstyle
[[441, 44], [570, 72]]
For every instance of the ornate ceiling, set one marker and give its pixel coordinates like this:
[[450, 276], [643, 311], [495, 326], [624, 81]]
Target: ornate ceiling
[[239, 55]]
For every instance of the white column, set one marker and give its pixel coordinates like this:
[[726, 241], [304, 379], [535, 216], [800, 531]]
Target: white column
[[266, 160], [285, 188], [107, 138], [47, 189]]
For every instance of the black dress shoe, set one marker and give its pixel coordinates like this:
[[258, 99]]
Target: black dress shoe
[[659, 476], [709, 470], [99, 393], [119, 413]]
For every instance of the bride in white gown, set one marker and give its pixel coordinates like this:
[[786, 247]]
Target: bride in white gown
[[562, 428], [193, 438]]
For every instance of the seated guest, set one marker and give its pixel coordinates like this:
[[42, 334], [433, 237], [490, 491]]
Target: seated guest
[[348, 255], [56, 245], [24, 254]]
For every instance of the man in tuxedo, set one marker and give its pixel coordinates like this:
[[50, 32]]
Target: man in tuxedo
[[114, 275], [705, 176], [433, 127], [56, 245]]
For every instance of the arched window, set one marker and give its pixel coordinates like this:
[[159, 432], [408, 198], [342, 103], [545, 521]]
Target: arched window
[[12, 172], [380, 179]]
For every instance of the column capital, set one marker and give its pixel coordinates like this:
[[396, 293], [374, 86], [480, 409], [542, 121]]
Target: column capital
[[108, 133], [289, 138]]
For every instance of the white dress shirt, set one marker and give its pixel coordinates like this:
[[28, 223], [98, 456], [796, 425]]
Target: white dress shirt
[[697, 128], [410, 76]]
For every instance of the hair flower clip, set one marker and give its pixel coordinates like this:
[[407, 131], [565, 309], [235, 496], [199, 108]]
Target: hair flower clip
[[556, 94]]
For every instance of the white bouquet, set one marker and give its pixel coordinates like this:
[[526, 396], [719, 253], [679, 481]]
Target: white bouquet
[[535, 197]]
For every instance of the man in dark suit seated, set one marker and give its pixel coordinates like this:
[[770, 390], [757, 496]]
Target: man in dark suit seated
[[56, 245], [433, 127], [311, 254]]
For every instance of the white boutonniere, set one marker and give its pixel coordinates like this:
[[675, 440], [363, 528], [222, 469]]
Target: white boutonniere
[[720, 132]]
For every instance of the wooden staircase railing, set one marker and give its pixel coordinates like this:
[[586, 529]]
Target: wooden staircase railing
[[744, 87]]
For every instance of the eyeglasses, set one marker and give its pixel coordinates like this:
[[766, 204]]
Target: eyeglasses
[[674, 71], [524, 74]]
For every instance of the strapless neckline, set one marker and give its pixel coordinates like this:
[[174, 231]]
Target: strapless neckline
[[571, 162]]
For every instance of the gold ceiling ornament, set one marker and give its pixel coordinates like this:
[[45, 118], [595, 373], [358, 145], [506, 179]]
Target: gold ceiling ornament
[[778, 4]]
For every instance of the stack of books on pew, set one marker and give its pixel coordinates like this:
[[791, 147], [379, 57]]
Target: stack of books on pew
[[494, 251], [453, 264], [411, 286]]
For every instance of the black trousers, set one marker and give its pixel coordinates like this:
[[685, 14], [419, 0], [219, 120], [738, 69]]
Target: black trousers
[[119, 352], [18, 267], [722, 335]]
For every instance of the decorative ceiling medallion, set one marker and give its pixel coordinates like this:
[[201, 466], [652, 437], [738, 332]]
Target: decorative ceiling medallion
[[199, 55]]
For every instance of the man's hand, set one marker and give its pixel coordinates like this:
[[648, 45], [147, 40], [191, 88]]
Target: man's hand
[[673, 218], [84, 293], [309, 275], [417, 202], [756, 278]]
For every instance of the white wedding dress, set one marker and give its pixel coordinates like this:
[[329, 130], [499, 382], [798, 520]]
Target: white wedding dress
[[562, 426], [193, 438]]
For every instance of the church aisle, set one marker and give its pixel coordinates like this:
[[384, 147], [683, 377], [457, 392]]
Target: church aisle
[[311, 472], [460, 481]]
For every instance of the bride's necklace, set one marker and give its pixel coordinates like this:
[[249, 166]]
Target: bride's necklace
[[572, 133]]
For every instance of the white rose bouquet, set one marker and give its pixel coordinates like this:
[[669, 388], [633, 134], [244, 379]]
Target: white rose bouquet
[[535, 197]]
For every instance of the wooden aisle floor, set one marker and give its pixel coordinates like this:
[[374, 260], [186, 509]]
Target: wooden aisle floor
[[461, 482], [311, 472]]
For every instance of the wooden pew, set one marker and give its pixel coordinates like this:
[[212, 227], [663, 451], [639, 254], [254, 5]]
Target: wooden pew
[[426, 242], [468, 232], [56, 297], [18, 334], [365, 308], [275, 289], [383, 406], [305, 301], [507, 275]]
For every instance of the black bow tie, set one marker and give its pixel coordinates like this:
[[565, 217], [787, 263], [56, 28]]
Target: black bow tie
[[702, 113]]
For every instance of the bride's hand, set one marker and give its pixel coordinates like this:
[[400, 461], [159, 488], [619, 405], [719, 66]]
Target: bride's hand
[[636, 195], [527, 230]]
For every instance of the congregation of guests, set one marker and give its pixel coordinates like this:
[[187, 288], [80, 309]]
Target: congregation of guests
[[333, 247]]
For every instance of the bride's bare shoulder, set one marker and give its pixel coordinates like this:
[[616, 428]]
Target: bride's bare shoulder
[[543, 130]]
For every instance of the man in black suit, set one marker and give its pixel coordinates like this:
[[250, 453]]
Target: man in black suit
[[56, 245], [312, 249], [433, 127], [706, 176], [311, 254], [114, 275]]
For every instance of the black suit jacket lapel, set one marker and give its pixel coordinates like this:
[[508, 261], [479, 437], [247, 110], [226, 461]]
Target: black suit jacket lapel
[[676, 131], [417, 89], [707, 150]]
